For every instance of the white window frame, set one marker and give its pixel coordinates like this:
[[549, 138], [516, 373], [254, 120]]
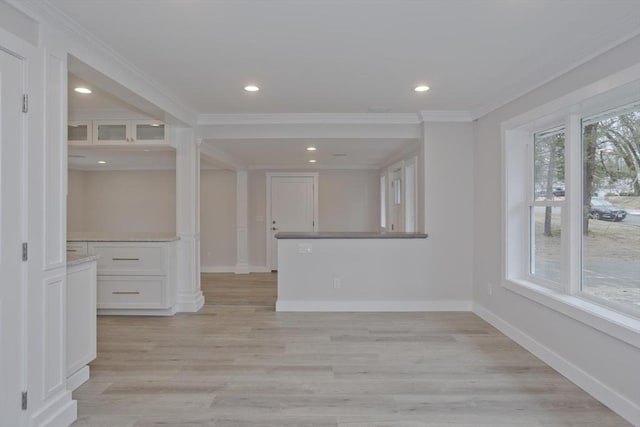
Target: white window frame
[[517, 137]]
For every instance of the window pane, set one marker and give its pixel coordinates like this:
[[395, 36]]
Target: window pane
[[549, 165], [545, 251], [611, 204]]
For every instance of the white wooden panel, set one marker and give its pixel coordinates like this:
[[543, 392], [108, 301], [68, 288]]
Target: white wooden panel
[[130, 258], [55, 163], [11, 220], [81, 316], [55, 335], [132, 292]]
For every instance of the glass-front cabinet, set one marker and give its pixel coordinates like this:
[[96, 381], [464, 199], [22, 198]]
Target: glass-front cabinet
[[123, 132], [79, 132]]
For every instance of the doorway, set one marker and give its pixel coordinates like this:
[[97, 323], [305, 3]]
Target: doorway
[[12, 315], [292, 206]]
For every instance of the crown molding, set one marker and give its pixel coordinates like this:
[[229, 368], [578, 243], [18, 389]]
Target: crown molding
[[49, 15], [446, 116], [308, 118]]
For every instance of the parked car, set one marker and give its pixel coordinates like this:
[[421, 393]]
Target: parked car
[[558, 192], [606, 211]]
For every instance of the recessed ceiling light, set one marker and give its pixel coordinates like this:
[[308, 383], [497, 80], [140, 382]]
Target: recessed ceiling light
[[102, 162], [82, 90], [311, 148], [312, 161], [421, 88], [155, 125], [251, 88]]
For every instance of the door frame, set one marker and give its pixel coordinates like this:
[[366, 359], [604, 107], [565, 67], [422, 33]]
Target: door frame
[[316, 222]]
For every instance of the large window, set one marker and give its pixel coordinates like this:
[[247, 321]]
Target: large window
[[611, 204], [573, 205]]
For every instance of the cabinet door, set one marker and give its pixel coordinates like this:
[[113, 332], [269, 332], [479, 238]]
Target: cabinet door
[[148, 132], [111, 132], [79, 132]]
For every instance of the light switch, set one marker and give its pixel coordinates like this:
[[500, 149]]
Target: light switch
[[304, 248]]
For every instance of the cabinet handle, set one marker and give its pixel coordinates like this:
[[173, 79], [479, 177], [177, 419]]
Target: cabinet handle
[[125, 293], [125, 259], [72, 250]]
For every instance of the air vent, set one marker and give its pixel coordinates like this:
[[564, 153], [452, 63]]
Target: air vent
[[77, 156], [339, 155]]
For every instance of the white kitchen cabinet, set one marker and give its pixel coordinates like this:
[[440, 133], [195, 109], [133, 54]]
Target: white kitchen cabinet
[[135, 278], [81, 312], [80, 132], [126, 132]]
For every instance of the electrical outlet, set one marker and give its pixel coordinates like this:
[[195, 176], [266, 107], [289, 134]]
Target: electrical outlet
[[337, 283]]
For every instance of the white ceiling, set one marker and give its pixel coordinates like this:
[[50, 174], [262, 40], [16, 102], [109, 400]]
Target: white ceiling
[[95, 101], [346, 56], [330, 154]]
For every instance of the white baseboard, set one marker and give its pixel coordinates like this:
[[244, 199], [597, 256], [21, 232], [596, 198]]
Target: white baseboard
[[78, 378], [602, 392], [373, 306], [137, 311], [232, 269], [189, 303], [62, 411]]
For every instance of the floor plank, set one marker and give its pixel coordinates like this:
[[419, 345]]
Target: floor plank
[[238, 363]]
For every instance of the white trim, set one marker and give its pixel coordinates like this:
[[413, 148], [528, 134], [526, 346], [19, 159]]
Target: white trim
[[315, 167], [446, 116], [185, 304], [78, 378], [141, 312], [372, 306], [615, 324], [605, 394], [316, 217], [61, 411], [232, 269], [308, 118]]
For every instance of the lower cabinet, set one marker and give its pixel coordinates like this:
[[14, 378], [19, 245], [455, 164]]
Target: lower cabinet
[[136, 278], [81, 322]]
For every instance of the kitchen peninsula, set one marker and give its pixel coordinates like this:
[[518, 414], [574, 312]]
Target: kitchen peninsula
[[136, 272], [363, 271]]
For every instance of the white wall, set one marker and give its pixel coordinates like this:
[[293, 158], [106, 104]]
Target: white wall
[[349, 200], [607, 366], [121, 201], [217, 218]]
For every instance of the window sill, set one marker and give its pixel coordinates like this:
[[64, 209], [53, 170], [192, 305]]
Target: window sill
[[618, 325]]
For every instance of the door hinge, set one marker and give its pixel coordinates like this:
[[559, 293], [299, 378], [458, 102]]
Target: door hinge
[[24, 400], [25, 251], [25, 103]]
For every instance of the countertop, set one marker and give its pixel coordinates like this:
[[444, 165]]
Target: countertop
[[350, 235], [80, 259], [92, 236]]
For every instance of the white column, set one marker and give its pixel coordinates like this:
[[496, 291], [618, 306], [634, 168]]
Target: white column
[[242, 230], [189, 297]]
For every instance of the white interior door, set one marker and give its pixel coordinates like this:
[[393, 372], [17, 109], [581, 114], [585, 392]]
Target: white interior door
[[11, 315], [292, 208]]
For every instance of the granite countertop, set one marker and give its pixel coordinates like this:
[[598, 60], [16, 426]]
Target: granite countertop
[[94, 236], [350, 235], [80, 259]]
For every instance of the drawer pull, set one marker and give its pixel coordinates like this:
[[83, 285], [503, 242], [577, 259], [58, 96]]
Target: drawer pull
[[72, 250], [125, 293], [125, 259]]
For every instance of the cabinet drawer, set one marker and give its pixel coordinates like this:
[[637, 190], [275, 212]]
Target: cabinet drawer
[[129, 259], [131, 292], [76, 248]]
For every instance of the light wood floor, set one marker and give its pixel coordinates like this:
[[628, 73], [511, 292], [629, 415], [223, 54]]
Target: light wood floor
[[235, 365], [239, 289]]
